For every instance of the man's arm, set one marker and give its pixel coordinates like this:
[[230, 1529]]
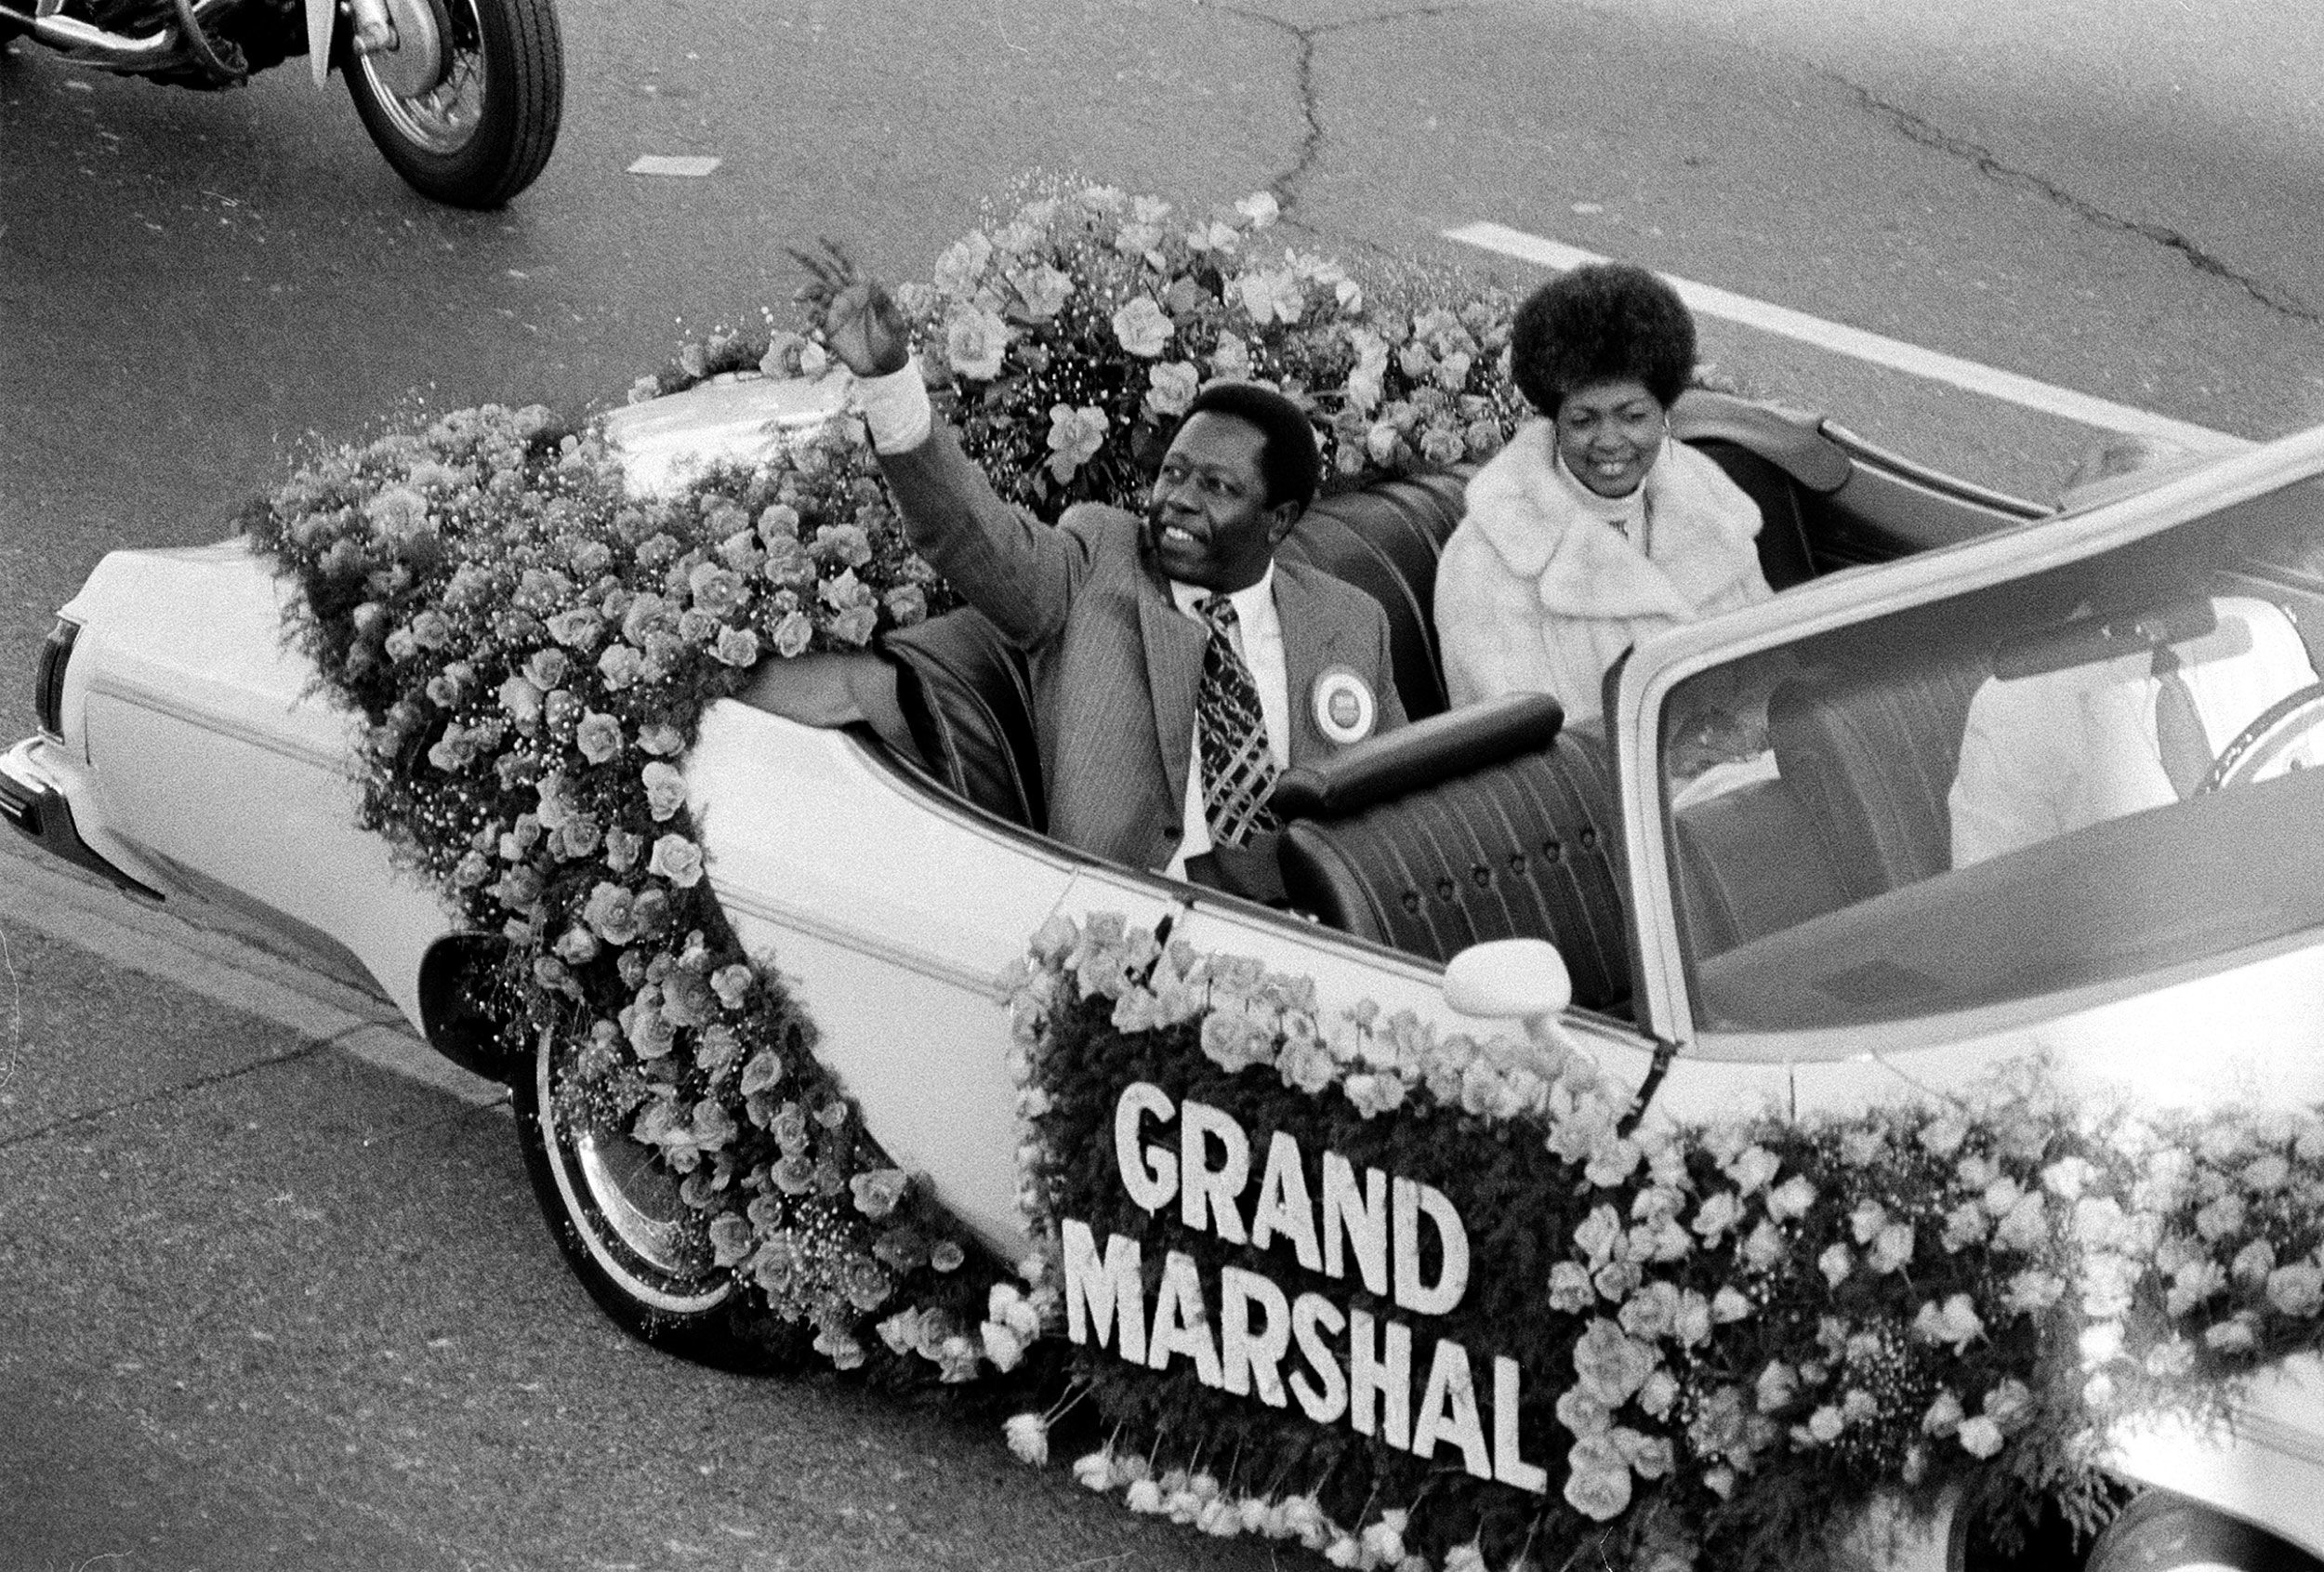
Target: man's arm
[[1018, 572]]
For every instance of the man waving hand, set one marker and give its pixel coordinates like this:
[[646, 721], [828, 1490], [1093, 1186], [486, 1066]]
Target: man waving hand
[[1178, 668]]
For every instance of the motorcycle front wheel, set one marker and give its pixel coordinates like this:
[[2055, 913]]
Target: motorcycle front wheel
[[465, 107]]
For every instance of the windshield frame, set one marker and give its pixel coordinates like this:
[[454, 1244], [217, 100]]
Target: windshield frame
[[1663, 999]]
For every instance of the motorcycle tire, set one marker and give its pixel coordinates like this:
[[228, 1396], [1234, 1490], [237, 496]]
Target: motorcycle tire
[[485, 130]]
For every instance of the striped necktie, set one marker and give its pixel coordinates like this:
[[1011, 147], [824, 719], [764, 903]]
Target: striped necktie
[[1231, 729]]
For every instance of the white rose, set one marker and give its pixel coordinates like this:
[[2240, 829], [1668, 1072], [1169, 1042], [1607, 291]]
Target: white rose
[[1980, 1437]]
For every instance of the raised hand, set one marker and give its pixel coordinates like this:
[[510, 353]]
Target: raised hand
[[859, 318]]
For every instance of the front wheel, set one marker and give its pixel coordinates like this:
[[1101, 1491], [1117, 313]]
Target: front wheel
[[617, 1216], [466, 106], [2159, 1532]]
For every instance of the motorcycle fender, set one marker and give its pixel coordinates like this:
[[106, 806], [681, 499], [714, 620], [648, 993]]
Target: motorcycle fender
[[321, 16]]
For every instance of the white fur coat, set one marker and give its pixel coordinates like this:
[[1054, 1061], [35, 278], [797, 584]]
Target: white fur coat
[[1536, 594]]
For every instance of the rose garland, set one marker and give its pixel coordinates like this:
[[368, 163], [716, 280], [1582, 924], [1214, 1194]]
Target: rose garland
[[1063, 339], [531, 649], [1742, 1333]]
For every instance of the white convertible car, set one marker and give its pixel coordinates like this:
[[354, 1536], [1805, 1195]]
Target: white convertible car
[[1903, 822]]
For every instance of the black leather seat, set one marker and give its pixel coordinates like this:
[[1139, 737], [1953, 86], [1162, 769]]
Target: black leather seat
[[1778, 460], [1749, 865], [1484, 822], [1870, 755], [1385, 540], [968, 700], [1783, 553]]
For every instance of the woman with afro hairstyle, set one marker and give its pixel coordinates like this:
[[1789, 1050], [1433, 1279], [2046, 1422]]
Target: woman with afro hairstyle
[[1591, 529]]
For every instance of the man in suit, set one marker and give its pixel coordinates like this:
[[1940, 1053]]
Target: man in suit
[[1177, 668]]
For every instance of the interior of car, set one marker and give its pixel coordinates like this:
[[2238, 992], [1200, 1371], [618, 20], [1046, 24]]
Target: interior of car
[[1493, 822], [1866, 730]]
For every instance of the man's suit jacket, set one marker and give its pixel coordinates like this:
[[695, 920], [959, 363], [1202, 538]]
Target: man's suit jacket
[[1115, 665]]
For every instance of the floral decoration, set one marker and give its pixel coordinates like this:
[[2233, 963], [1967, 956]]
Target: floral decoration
[[530, 648], [1731, 1337], [1065, 338], [1734, 1336]]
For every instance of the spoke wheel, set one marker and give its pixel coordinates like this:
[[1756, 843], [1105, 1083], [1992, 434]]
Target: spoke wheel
[[616, 1215], [466, 106]]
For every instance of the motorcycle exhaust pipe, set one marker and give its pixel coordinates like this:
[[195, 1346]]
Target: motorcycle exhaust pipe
[[91, 44]]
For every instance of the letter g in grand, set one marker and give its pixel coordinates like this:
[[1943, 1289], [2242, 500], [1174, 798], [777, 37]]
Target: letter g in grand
[[1149, 1174]]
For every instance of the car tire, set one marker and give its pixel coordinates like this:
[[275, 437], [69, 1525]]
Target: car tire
[[482, 135], [616, 1216], [2159, 1532]]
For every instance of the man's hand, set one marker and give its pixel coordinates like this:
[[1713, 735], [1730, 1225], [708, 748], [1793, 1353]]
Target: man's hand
[[859, 318]]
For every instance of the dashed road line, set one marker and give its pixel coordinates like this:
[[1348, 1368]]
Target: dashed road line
[[90, 916], [1857, 344]]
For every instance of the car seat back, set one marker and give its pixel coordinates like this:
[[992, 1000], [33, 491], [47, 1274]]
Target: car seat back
[[1385, 540], [1484, 822], [1870, 755], [968, 700]]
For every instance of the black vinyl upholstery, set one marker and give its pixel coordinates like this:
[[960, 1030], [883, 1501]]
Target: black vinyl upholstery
[[1749, 865], [1869, 756], [1385, 540], [1378, 769], [968, 699], [1524, 848], [1783, 553]]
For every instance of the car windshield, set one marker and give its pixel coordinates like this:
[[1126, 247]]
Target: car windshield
[[2098, 772]]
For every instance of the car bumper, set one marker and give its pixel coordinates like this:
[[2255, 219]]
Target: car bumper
[[32, 800]]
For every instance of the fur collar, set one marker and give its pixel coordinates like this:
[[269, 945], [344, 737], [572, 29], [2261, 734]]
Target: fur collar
[[1702, 531]]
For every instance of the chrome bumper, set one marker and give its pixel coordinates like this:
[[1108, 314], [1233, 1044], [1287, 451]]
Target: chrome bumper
[[32, 800]]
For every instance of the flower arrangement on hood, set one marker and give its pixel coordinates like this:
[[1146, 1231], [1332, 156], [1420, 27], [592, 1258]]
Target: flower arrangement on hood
[[1734, 1337]]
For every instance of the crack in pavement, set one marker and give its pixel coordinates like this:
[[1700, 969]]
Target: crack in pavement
[[89, 1116], [1284, 186], [1913, 127]]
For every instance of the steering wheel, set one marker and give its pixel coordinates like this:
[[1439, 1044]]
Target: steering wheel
[[2290, 720]]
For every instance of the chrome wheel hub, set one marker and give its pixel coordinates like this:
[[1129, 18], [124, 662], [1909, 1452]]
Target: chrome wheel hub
[[431, 85]]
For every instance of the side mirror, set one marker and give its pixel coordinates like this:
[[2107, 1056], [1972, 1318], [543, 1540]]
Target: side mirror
[[1506, 979]]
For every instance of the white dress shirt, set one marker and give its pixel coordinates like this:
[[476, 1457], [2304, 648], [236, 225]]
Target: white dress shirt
[[2051, 753], [1258, 636]]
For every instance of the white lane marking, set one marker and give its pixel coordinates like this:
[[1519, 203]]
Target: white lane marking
[[1893, 352], [218, 966], [685, 167]]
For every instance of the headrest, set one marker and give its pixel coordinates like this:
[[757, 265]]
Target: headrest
[[1441, 747]]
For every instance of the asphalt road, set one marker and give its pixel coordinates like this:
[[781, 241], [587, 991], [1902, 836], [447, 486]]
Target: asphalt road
[[263, 1305]]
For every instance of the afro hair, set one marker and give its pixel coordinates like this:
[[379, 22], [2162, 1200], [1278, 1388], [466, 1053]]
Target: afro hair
[[1609, 322]]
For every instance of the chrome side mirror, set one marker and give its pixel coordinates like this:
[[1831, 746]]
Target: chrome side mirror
[[1509, 979]]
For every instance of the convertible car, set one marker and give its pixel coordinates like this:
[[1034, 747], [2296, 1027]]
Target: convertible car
[[1903, 822]]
